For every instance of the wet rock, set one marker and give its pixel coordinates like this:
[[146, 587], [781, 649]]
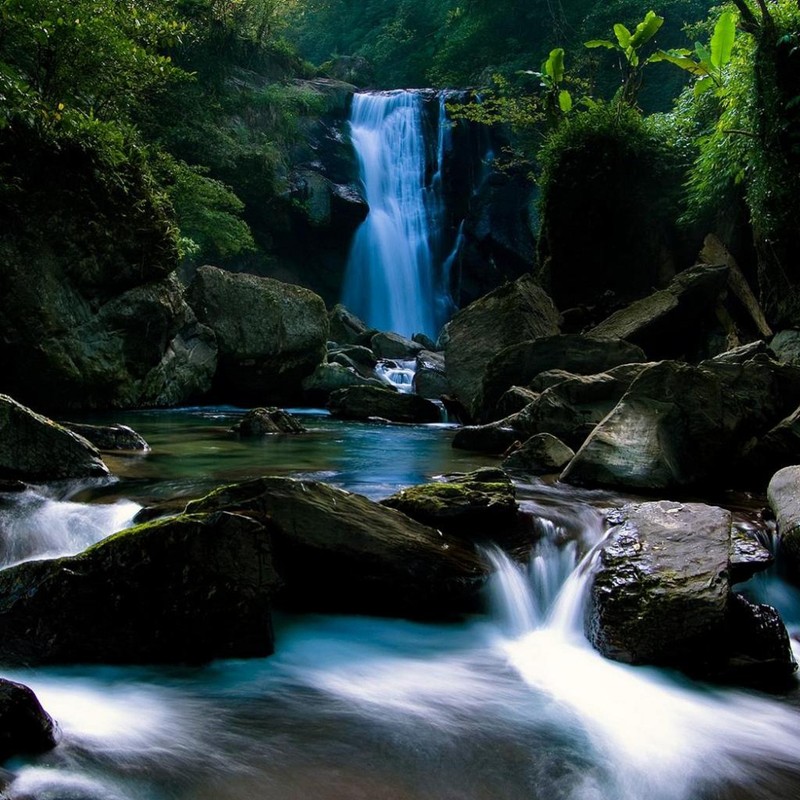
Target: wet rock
[[270, 334], [674, 322], [340, 552], [764, 455], [362, 357], [747, 557], [514, 313], [494, 438], [661, 595], [109, 437], [365, 402], [25, 727], [542, 454], [34, 448], [263, 421], [430, 379], [392, 345], [783, 494], [520, 363], [786, 346], [185, 589], [478, 505], [329, 378], [424, 340], [345, 327], [680, 425], [514, 400]]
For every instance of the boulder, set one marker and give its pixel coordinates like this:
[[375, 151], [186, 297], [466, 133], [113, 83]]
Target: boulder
[[263, 421], [366, 402], [361, 357], [542, 454], [479, 505], [109, 437], [25, 727], [345, 327], [783, 494], [270, 334], [34, 448], [430, 379], [514, 400], [748, 556], [493, 439], [392, 345], [514, 313], [340, 552], [520, 363], [680, 425], [424, 340], [329, 378], [786, 346], [185, 589], [661, 595], [674, 322]]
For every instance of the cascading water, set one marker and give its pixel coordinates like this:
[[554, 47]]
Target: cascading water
[[394, 275]]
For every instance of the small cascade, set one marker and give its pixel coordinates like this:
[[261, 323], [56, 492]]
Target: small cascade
[[397, 276], [399, 372]]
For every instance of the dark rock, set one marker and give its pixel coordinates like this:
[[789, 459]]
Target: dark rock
[[514, 400], [542, 454], [186, 589], [262, 421], [744, 353], [425, 340], [514, 313], [494, 438], [353, 69], [783, 494], [786, 346], [392, 345], [430, 379], [326, 203], [270, 334], [339, 552], [661, 595], [479, 505], [764, 455], [329, 378], [748, 556], [519, 364], [362, 357], [551, 377], [12, 486], [364, 402], [345, 327], [674, 322], [25, 727], [34, 448], [679, 425], [109, 437]]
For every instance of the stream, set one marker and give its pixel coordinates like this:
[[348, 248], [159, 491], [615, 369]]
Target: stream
[[512, 704]]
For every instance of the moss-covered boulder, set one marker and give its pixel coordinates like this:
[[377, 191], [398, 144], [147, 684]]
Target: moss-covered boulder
[[662, 595], [365, 402], [34, 448], [340, 552], [25, 727], [270, 334], [185, 589], [478, 505]]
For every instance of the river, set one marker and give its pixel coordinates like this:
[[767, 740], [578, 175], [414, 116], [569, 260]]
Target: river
[[511, 704]]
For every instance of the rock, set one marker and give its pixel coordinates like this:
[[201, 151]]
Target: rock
[[494, 438], [514, 313], [574, 406], [424, 340], [329, 378], [520, 363], [185, 589], [270, 334], [542, 454], [786, 346], [345, 327], [34, 448], [25, 727], [479, 506], [783, 494], [430, 379], [514, 400], [764, 455], [362, 357], [365, 402], [550, 377], [339, 552], [674, 322], [679, 425], [661, 595], [262, 421], [109, 437], [392, 345], [325, 203], [747, 557]]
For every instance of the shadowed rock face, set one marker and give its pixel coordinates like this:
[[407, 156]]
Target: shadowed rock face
[[364, 402], [184, 589], [25, 727]]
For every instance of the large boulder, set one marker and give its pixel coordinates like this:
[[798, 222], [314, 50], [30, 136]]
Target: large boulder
[[329, 378], [185, 589], [661, 595], [542, 454], [783, 494], [25, 727], [392, 345], [366, 402], [270, 334], [479, 505], [340, 552], [258, 422], [346, 327], [430, 378], [516, 312], [495, 438], [680, 425], [521, 363], [34, 448], [109, 437]]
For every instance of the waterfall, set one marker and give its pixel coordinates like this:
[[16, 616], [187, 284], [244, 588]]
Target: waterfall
[[394, 278]]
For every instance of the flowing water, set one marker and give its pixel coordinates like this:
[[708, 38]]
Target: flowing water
[[510, 705], [394, 278]]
